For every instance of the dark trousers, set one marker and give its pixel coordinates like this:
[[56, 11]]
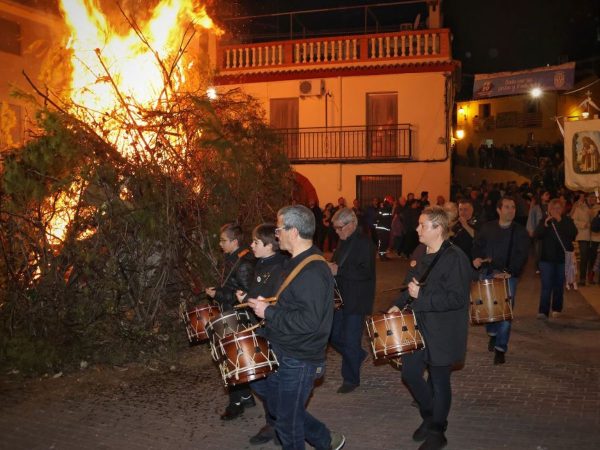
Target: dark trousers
[[288, 391], [587, 256], [346, 339], [261, 388], [434, 398], [553, 285], [236, 393]]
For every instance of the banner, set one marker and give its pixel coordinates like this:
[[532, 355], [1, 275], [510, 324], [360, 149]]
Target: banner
[[551, 78], [582, 155]]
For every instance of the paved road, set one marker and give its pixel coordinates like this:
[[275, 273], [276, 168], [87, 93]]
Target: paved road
[[547, 395]]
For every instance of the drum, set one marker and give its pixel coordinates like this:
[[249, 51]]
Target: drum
[[224, 325], [491, 300], [338, 303], [394, 334], [246, 357], [196, 319]]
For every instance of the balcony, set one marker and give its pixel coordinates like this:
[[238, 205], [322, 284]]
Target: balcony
[[334, 52], [354, 144]]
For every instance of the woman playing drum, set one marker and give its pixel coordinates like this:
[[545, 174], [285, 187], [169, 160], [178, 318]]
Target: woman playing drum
[[441, 309]]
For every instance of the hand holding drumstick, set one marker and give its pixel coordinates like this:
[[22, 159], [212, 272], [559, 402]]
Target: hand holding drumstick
[[259, 305]]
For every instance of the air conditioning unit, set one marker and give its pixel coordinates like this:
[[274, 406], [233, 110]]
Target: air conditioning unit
[[312, 87]]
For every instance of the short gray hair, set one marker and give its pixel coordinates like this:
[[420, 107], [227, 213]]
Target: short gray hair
[[299, 217], [345, 215], [438, 218]]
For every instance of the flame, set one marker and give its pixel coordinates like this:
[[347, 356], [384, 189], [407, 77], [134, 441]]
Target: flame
[[117, 76]]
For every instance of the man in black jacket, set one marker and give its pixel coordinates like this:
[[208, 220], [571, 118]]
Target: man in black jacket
[[503, 244], [440, 306], [238, 270], [354, 269], [298, 328]]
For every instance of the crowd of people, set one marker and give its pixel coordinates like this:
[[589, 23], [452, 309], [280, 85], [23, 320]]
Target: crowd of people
[[483, 233]]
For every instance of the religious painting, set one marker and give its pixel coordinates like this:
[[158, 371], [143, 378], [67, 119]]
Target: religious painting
[[586, 152]]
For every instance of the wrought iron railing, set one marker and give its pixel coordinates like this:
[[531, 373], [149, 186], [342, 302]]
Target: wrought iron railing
[[347, 144]]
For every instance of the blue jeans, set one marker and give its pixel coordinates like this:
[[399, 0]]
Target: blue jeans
[[553, 281], [261, 388], [288, 391], [346, 338], [502, 329]]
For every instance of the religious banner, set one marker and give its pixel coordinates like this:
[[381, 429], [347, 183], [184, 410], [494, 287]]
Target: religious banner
[[582, 155], [550, 78]]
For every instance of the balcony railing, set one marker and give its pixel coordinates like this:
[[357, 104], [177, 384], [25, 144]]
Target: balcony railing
[[378, 143], [335, 50]]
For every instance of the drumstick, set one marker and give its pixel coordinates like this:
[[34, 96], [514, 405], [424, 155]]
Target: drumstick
[[246, 304], [254, 327], [402, 287]]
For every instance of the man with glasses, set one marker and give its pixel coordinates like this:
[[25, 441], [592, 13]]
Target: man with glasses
[[354, 269], [238, 272], [298, 328]]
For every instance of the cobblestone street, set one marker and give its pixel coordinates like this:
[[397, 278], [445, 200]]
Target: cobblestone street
[[546, 396]]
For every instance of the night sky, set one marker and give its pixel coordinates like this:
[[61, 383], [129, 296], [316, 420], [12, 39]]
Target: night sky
[[489, 35]]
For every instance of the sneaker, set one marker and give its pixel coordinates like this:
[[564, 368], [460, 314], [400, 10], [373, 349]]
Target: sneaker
[[567, 286], [421, 433], [574, 286], [499, 357], [491, 343], [264, 435], [435, 440], [542, 316], [337, 441], [346, 388], [233, 411], [555, 314], [248, 402]]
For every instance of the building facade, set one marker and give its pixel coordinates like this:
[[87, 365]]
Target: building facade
[[359, 115]]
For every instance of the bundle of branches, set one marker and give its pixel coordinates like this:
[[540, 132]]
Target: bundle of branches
[[99, 245]]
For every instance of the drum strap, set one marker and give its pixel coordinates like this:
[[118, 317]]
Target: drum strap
[[296, 271], [559, 239], [510, 245], [445, 245]]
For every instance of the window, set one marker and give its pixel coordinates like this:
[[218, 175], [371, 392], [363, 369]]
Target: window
[[382, 124], [10, 37], [485, 110]]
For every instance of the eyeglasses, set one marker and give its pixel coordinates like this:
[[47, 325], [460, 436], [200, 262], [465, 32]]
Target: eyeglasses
[[279, 229], [339, 228]]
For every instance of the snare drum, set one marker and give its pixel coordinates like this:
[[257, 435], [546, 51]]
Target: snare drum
[[394, 334], [491, 300], [224, 325], [246, 357], [196, 319]]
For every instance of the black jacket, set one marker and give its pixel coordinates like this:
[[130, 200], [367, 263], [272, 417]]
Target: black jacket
[[238, 270], [492, 241], [356, 273], [442, 307], [552, 250], [268, 276], [299, 324]]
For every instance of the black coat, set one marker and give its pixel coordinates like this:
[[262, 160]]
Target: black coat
[[238, 271], [492, 241], [552, 250], [268, 276], [356, 273], [299, 324], [442, 306]]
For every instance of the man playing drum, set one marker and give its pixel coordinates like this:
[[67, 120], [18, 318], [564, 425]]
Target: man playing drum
[[438, 293], [504, 245], [298, 328], [354, 269], [238, 269]]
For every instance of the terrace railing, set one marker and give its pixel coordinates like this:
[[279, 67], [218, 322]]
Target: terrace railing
[[347, 144], [379, 48]]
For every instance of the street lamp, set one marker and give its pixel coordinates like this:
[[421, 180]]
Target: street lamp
[[460, 133], [536, 92]]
